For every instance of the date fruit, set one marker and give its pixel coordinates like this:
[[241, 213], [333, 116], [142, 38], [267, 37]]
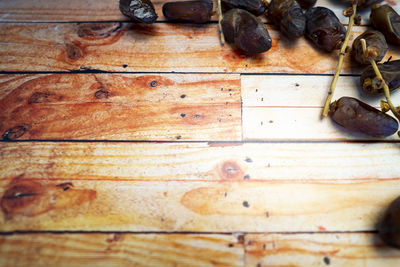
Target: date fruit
[[289, 17], [306, 3], [390, 73], [376, 47], [389, 226], [138, 10], [386, 20], [245, 31], [255, 7], [358, 116], [198, 11], [324, 28]]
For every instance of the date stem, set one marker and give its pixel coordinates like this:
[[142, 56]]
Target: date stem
[[219, 9], [331, 90], [379, 75]]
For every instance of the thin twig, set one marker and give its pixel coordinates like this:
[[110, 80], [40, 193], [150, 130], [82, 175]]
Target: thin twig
[[331, 90], [219, 9]]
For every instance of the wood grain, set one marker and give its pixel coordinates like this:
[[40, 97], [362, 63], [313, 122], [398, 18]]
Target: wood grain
[[222, 206], [153, 48], [106, 10], [202, 162], [128, 107], [120, 250], [352, 249]]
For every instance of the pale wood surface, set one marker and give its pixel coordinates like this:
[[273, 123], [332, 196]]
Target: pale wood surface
[[154, 48], [303, 187], [121, 107], [106, 10], [355, 249], [120, 249]]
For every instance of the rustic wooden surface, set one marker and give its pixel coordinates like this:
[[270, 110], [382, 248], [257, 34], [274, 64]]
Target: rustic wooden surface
[[126, 144]]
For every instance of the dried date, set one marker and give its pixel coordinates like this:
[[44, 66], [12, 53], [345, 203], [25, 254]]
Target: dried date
[[188, 11], [376, 47], [389, 226], [255, 7], [385, 19], [390, 72], [358, 116], [138, 10]]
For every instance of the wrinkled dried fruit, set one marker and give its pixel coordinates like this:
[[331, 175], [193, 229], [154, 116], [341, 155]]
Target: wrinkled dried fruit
[[256, 7], [390, 72], [188, 11], [387, 21], [376, 47], [306, 3], [360, 117], [389, 226], [138, 10], [289, 16], [324, 28], [245, 31]]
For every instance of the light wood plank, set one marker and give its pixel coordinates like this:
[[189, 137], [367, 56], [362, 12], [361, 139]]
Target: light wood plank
[[299, 123], [149, 48], [129, 107], [353, 249], [106, 10], [34, 204], [120, 250], [222, 162]]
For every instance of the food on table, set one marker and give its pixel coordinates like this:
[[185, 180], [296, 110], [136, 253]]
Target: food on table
[[245, 31], [390, 72], [324, 28], [386, 20], [389, 226], [358, 116], [288, 16], [198, 11], [306, 3], [138, 10], [376, 47]]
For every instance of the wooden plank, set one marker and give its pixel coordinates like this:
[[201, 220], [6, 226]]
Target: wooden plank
[[200, 162], [106, 10], [120, 250], [129, 107], [352, 249], [153, 48], [222, 206]]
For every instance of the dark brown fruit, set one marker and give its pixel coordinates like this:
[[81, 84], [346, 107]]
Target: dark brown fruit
[[188, 11], [324, 28], [245, 31], [138, 10], [390, 72], [389, 226], [289, 17], [255, 7], [386, 20], [306, 3], [358, 116], [376, 47]]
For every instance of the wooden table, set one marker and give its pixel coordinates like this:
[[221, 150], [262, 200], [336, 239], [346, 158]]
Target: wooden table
[[153, 145]]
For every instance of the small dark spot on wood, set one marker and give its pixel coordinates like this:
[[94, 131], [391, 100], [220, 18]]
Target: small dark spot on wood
[[250, 242], [230, 90], [246, 177], [271, 121], [39, 97], [197, 116], [225, 194], [264, 247], [256, 90], [258, 264], [73, 52], [269, 165], [267, 214], [14, 133], [101, 94], [262, 98], [125, 66], [65, 186], [245, 204], [222, 88], [240, 239], [183, 115], [249, 160], [297, 85], [262, 122], [162, 219], [178, 137], [230, 245], [230, 115], [226, 103], [153, 83], [327, 260], [246, 65], [183, 96], [115, 238]]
